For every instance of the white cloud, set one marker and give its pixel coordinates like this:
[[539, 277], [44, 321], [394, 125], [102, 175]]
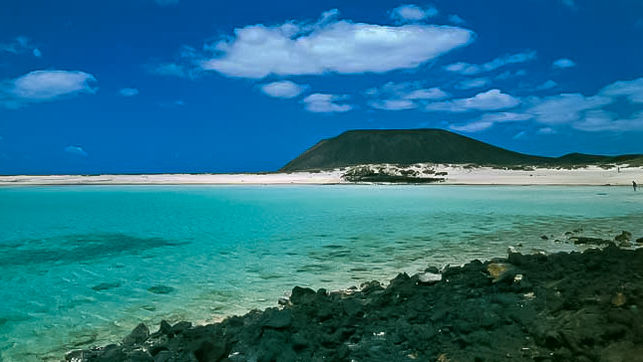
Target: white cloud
[[20, 45], [393, 104], [632, 90], [412, 13], [128, 92], [44, 85], [330, 45], [406, 95], [76, 150], [427, 94], [596, 113], [283, 89], [489, 119], [564, 108], [601, 120], [407, 90], [473, 83], [563, 63], [473, 69], [326, 103], [455, 19], [472, 127], [491, 100]]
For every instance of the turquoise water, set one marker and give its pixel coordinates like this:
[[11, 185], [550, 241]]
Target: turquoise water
[[82, 265]]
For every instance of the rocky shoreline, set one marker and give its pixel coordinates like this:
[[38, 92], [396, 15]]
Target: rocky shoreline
[[561, 307]]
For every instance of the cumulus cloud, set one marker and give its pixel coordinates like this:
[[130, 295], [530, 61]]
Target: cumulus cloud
[[330, 45], [473, 83], [473, 69], [44, 85], [326, 103], [283, 89], [128, 92], [563, 63], [490, 100], [76, 150], [20, 45], [412, 13]]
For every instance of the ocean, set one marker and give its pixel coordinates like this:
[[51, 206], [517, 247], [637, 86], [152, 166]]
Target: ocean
[[82, 265]]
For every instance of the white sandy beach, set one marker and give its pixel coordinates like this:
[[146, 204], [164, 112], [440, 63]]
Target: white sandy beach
[[456, 175]]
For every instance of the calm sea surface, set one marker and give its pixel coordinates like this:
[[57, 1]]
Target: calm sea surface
[[82, 265]]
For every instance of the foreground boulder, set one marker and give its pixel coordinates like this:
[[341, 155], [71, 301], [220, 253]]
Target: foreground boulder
[[561, 307]]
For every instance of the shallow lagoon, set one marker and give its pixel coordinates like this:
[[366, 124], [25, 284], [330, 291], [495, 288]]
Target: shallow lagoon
[[82, 265]]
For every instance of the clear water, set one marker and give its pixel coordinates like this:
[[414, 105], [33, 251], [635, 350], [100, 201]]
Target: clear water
[[82, 265]]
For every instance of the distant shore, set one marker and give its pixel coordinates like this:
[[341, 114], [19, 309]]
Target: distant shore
[[452, 174]]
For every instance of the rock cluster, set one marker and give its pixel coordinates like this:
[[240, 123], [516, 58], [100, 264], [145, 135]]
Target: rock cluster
[[561, 307]]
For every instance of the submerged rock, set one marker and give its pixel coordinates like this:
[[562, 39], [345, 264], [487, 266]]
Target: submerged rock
[[106, 286], [160, 289]]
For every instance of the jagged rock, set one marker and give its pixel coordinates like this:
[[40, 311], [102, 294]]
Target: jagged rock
[[639, 241], [500, 271], [138, 335], [623, 237], [275, 318], [302, 295], [558, 307]]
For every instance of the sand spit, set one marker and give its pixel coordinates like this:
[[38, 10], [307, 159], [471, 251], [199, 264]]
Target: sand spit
[[451, 175]]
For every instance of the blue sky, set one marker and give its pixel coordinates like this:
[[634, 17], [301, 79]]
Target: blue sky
[[212, 86]]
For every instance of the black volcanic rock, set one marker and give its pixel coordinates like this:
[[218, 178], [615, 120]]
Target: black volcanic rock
[[411, 146], [560, 307]]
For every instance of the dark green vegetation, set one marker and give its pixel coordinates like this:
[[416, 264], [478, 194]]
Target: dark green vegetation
[[562, 307], [366, 174], [407, 147]]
